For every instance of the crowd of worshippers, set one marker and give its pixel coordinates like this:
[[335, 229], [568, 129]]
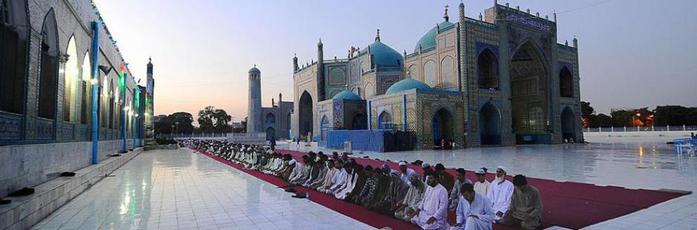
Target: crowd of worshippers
[[424, 200]]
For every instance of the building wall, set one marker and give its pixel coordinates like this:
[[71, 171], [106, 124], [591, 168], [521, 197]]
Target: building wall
[[32, 147], [305, 81], [436, 67]]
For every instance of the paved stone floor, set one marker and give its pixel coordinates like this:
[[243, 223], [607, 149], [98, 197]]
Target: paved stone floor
[[178, 189], [645, 163]]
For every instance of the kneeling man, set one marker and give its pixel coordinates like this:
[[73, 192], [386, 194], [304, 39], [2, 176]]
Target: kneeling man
[[433, 210], [473, 210], [526, 207]]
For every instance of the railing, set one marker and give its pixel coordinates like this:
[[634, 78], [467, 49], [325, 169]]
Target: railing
[[642, 129]]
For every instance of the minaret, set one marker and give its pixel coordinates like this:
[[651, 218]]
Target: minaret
[[295, 63], [149, 102], [320, 70], [254, 109]]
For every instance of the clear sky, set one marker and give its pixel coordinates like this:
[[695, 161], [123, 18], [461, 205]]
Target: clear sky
[[633, 53]]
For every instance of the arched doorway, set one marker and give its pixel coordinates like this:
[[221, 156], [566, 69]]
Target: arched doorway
[[359, 122], [270, 119], [488, 70], [71, 78], [14, 34], [568, 124], [48, 75], [442, 124], [529, 90], [305, 115], [566, 83], [324, 127], [489, 125], [270, 134], [385, 120]]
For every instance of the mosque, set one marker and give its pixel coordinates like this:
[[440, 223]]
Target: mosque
[[498, 80], [274, 121]]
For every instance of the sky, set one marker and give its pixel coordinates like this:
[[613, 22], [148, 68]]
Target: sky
[[632, 53]]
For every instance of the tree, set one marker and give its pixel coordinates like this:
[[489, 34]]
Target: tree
[[211, 119], [586, 109], [179, 122]]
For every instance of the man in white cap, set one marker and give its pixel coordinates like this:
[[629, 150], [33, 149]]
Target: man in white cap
[[405, 172], [500, 192], [481, 186]]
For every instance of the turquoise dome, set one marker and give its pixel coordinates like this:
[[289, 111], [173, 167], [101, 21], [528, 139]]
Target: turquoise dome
[[407, 84], [346, 95], [384, 55], [428, 41], [254, 70]]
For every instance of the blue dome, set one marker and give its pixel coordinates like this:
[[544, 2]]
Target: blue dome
[[428, 41], [407, 84], [384, 55], [254, 70], [346, 95]]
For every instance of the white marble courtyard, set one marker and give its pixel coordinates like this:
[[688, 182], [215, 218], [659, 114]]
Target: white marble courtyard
[[180, 189]]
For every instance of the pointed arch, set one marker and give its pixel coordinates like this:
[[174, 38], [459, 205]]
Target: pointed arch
[[448, 73], [488, 70], [529, 91], [566, 82], [305, 114], [489, 125], [442, 126], [385, 120], [14, 33], [430, 75], [568, 124], [71, 77], [48, 72], [85, 91]]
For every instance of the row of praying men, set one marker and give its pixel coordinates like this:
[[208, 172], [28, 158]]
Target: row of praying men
[[424, 200]]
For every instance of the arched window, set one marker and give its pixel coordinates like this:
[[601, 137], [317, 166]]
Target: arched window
[[385, 120], [111, 104], [430, 76], [48, 77], [13, 54], [488, 70], [270, 118], [71, 78], [566, 83], [413, 73], [447, 72], [85, 89]]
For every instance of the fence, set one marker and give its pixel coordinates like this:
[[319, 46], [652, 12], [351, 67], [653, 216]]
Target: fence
[[641, 129]]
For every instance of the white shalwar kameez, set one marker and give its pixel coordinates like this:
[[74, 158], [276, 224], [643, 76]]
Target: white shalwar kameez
[[434, 204], [480, 207], [500, 196]]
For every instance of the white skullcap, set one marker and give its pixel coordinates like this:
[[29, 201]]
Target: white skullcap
[[291, 162], [502, 168], [402, 163]]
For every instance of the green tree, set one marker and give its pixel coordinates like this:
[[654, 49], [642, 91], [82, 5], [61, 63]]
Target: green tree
[[211, 119]]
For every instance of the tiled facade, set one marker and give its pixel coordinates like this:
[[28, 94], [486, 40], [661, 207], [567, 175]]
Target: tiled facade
[[504, 80]]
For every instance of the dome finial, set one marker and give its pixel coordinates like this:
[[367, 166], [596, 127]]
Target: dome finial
[[377, 36], [445, 15]]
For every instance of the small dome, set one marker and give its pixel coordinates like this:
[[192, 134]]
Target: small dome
[[428, 41], [254, 70], [346, 95], [384, 55], [407, 84]]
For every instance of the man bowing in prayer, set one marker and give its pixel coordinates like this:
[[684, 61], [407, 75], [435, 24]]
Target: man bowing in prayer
[[500, 192], [526, 207], [473, 210], [433, 210]]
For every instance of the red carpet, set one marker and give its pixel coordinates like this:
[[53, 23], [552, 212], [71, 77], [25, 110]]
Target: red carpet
[[567, 204]]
